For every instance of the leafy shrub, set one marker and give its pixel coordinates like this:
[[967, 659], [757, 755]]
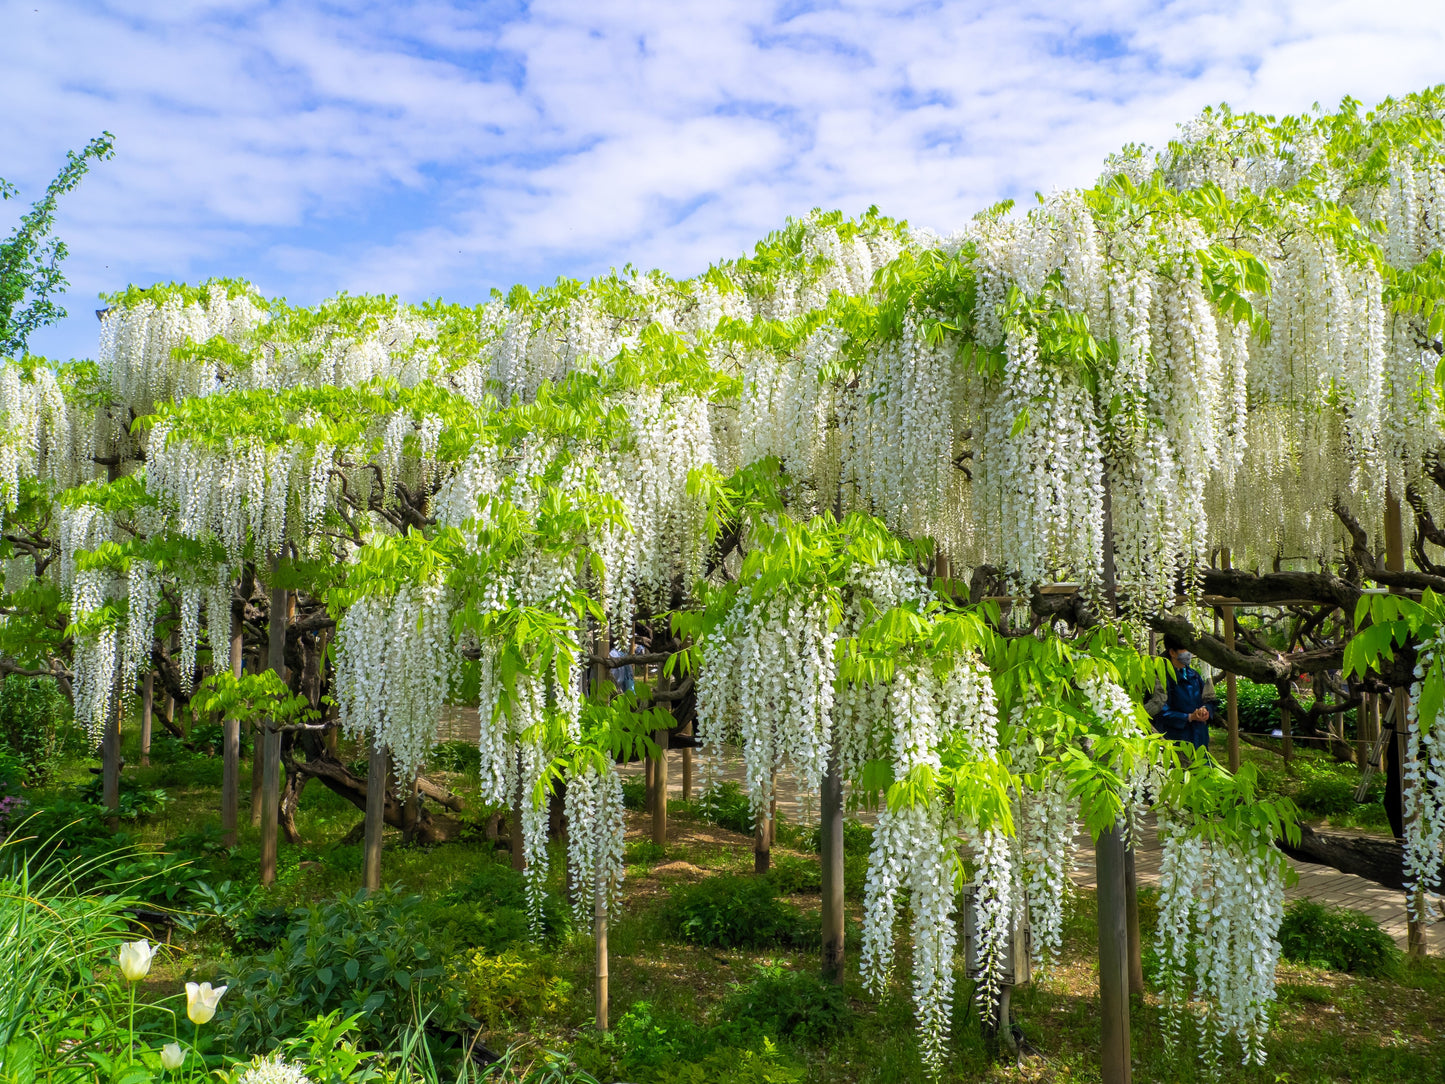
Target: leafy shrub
[[240, 912], [12, 770], [209, 740], [191, 760], [765, 1065], [781, 1004], [857, 838], [12, 805], [1336, 938], [1326, 796], [62, 827], [35, 726], [365, 955], [455, 756], [634, 794], [1258, 706], [489, 911], [647, 1045], [509, 989], [793, 874], [208, 840], [135, 803], [551, 1068], [736, 912], [726, 806]]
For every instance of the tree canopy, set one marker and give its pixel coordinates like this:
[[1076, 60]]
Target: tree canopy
[[827, 481]]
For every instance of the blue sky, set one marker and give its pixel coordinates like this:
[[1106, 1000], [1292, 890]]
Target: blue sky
[[436, 148]]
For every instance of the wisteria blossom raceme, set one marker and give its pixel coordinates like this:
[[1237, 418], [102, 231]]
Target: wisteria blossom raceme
[[395, 660], [595, 829], [1224, 901], [1424, 794]]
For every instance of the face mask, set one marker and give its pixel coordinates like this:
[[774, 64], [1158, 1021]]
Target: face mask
[[1185, 658]]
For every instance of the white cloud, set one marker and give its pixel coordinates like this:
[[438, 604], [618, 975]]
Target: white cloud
[[431, 147]]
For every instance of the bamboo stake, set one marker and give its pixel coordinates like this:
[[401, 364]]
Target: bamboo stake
[[687, 766], [599, 920], [1231, 692], [231, 747], [110, 766], [147, 709], [271, 739], [1131, 924], [831, 833], [659, 799], [1114, 1054], [378, 777]]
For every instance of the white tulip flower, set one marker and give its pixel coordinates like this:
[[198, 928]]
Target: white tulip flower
[[172, 1056], [201, 1000], [135, 960]]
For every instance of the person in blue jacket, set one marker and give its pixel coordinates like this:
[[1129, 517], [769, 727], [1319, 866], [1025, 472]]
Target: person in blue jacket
[[1185, 706]]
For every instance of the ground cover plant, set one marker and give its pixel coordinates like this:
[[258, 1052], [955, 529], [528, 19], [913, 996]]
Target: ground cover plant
[[886, 513]]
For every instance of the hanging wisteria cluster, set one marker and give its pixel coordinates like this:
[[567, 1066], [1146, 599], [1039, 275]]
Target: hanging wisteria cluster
[[595, 828], [394, 665], [1222, 901], [1424, 793]]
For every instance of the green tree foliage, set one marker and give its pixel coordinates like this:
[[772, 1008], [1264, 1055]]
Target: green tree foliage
[[30, 258]]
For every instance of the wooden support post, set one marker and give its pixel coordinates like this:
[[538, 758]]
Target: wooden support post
[[1287, 740], [1131, 923], [687, 765], [378, 778], [831, 839], [519, 851], [659, 798], [147, 711], [1367, 728], [1395, 562], [762, 845], [1231, 691], [231, 748], [110, 736], [271, 739], [173, 646], [1114, 1052], [110, 765], [258, 745], [599, 931]]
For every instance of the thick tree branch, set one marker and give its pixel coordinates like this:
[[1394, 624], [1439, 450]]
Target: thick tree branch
[[612, 662], [1366, 562]]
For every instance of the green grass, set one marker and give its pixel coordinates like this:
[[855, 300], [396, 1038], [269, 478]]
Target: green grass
[[1322, 787], [1330, 1026]]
